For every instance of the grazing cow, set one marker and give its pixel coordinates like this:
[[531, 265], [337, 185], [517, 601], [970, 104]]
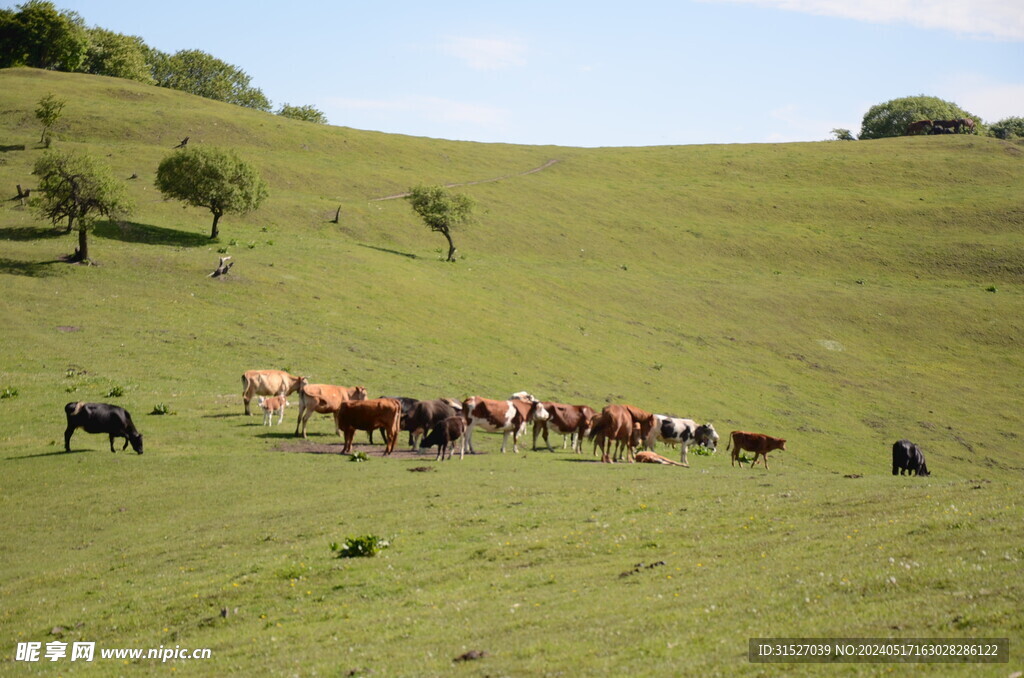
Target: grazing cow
[[407, 405], [569, 420], [614, 423], [508, 417], [943, 126], [267, 383], [325, 399], [686, 432], [758, 443], [427, 414], [966, 124], [907, 457], [444, 435], [271, 406], [919, 126], [101, 418], [354, 415], [648, 457]]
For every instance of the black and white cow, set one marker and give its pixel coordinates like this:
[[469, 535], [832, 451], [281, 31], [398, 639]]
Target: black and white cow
[[102, 418], [686, 432], [907, 457]]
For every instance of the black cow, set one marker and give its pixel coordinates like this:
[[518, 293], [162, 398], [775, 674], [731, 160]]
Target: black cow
[[102, 418], [425, 415], [444, 435], [906, 456]]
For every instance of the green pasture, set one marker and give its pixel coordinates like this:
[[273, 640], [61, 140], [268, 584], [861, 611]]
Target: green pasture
[[840, 295]]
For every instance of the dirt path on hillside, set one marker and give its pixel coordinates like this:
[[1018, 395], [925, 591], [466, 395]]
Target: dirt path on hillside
[[543, 167]]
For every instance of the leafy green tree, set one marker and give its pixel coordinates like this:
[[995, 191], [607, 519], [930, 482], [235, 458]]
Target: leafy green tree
[[79, 188], [307, 113], [441, 210], [204, 75], [41, 36], [842, 134], [208, 177], [117, 55], [1007, 128], [890, 119], [49, 112]]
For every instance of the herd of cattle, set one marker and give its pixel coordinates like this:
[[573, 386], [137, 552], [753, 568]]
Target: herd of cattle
[[941, 126], [618, 431]]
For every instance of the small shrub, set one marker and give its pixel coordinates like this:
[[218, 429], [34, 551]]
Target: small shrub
[[222, 250], [359, 456], [161, 408], [360, 547], [702, 451], [9, 392], [991, 288], [114, 392]]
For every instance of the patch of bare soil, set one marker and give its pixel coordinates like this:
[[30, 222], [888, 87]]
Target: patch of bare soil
[[311, 447]]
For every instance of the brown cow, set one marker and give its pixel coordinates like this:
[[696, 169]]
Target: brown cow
[[366, 415], [758, 443], [569, 420], [614, 423], [919, 126], [325, 399], [267, 383], [499, 416]]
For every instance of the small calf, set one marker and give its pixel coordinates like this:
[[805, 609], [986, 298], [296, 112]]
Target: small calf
[[444, 436], [272, 406], [101, 418]]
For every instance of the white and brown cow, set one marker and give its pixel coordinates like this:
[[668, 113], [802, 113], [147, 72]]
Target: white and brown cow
[[508, 417], [569, 420], [267, 383], [686, 432], [325, 399], [271, 406]]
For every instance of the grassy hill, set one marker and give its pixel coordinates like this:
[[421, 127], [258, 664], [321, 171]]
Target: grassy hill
[[840, 295]]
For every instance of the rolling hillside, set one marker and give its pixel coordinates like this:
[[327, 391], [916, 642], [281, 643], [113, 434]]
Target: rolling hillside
[[838, 294]]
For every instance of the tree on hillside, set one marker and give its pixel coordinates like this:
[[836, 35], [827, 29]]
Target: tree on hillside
[[49, 112], [41, 36], [117, 55], [306, 113], [1007, 128], [199, 73], [441, 210], [890, 119], [218, 180], [79, 188]]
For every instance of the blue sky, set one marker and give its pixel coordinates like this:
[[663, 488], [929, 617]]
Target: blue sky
[[600, 73]]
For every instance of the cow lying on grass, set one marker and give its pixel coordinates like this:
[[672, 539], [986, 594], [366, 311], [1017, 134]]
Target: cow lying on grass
[[101, 418]]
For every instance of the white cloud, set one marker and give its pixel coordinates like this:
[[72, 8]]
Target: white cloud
[[486, 54], [983, 96], [1001, 19]]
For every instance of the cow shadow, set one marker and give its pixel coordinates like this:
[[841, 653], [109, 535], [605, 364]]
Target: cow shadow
[[55, 453], [133, 232]]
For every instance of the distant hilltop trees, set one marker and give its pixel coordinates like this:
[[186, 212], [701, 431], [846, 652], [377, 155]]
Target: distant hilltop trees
[[38, 35]]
